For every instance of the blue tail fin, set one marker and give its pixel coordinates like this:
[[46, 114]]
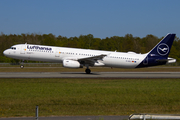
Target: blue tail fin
[[159, 54], [163, 47]]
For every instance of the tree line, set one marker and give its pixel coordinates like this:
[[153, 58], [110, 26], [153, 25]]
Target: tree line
[[115, 43]]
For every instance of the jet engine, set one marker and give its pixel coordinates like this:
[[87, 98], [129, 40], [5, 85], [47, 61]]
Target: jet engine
[[71, 64]]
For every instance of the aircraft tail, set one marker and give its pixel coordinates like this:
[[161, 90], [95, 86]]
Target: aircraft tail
[[163, 47], [159, 54]]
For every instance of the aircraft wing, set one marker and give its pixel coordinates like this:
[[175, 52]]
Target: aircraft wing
[[91, 60]]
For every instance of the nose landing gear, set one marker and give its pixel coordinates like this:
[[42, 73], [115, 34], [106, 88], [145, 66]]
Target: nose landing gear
[[22, 66]]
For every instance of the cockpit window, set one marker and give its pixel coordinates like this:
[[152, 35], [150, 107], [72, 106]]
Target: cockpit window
[[13, 48]]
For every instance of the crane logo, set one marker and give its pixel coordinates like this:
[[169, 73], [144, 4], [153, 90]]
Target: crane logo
[[163, 49]]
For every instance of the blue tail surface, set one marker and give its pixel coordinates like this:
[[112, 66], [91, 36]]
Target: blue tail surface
[[159, 54]]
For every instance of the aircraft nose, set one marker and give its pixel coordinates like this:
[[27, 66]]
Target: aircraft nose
[[5, 52]]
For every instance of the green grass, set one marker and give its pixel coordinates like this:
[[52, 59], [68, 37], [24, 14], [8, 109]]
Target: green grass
[[19, 97]]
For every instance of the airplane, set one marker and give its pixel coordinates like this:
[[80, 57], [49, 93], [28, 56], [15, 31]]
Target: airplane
[[77, 58]]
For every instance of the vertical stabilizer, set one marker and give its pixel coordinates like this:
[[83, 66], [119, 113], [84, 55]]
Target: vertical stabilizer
[[163, 47], [159, 54]]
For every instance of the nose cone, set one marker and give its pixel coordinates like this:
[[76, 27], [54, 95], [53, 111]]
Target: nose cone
[[5, 52]]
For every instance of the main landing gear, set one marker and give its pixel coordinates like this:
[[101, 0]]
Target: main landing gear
[[88, 71]]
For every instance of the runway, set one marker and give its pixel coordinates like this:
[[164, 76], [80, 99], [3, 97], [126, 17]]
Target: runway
[[92, 75]]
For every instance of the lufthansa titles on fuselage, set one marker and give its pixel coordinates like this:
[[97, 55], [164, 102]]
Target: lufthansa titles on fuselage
[[38, 47]]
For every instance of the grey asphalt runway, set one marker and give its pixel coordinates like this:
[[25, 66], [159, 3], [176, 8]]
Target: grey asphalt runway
[[92, 75]]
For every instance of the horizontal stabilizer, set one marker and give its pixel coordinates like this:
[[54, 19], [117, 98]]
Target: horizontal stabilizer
[[169, 60]]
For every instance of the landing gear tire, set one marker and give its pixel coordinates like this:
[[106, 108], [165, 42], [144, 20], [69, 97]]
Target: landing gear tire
[[22, 66], [88, 71]]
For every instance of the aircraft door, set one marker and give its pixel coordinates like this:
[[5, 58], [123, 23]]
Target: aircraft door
[[23, 49], [57, 53]]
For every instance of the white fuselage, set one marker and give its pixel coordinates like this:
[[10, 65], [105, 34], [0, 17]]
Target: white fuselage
[[58, 54], [77, 58]]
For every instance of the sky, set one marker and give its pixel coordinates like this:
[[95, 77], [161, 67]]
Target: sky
[[101, 18]]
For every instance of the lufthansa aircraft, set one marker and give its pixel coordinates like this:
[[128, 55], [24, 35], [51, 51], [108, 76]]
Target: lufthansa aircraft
[[77, 58]]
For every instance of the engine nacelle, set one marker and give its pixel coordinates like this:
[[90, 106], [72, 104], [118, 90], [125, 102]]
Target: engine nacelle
[[71, 64]]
